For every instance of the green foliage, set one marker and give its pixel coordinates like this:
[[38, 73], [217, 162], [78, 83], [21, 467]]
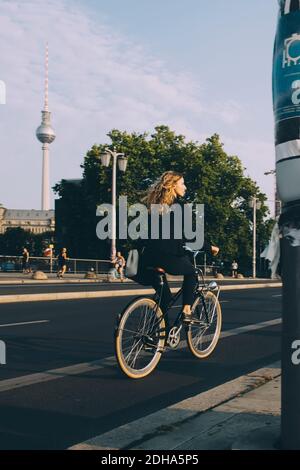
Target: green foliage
[[14, 240], [212, 177]]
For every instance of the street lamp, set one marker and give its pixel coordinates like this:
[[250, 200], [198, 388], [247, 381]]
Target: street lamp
[[255, 204], [122, 163], [277, 201]]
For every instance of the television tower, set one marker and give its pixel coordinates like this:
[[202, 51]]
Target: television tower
[[46, 135]]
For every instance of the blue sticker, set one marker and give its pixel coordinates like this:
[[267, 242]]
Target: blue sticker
[[286, 68]]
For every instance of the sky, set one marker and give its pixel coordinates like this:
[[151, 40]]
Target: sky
[[197, 66]]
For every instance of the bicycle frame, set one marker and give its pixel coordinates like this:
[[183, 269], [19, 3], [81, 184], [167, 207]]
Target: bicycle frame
[[140, 342], [175, 297], [199, 290]]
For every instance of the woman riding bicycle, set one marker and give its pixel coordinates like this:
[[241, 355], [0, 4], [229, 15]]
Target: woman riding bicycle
[[169, 253]]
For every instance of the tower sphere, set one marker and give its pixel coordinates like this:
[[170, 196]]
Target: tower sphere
[[45, 134]]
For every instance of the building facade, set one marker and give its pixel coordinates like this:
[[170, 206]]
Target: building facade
[[34, 221]]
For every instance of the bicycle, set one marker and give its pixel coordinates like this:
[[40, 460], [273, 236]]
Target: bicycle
[[141, 335]]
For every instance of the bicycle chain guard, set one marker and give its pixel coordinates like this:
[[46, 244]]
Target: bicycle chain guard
[[174, 337]]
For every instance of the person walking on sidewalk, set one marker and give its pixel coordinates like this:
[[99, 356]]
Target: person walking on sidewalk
[[25, 261], [62, 263], [119, 263], [169, 253], [234, 268]]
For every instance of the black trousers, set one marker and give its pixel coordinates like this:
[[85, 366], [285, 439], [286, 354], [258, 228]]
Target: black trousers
[[175, 265]]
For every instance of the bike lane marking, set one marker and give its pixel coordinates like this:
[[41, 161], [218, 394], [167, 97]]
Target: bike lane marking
[[76, 369], [24, 323]]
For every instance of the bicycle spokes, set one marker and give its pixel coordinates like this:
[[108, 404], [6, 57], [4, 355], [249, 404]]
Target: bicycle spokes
[[140, 338], [203, 334]]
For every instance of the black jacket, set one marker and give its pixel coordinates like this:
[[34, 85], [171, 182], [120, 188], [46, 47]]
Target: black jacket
[[173, 241], [170, 244], [162, 251]]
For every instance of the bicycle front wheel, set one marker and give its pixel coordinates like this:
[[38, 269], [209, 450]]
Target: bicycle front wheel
[[140, 338], [204, 333]]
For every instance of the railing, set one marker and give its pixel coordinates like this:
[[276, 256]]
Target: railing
[[74, 265], [48, 264], [210, 269]]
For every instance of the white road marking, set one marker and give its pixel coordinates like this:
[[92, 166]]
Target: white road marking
[[245, 329], [277, 295], [24, 323], [63, 372]]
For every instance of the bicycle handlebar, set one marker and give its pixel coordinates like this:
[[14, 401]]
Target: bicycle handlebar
[[195, 252]]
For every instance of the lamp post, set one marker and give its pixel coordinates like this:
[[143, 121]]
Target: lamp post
[[277, 202], [122, 163], [255, 204]]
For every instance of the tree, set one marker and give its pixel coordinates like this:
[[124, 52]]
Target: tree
[[14, 240], [212, 177]]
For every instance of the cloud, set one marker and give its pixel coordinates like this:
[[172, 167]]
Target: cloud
[[229, 112], [99, 80], [258, 155]]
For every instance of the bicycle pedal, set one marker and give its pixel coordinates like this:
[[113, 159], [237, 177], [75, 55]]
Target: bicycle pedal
[[149, 348], [192, 322], [188, 321]]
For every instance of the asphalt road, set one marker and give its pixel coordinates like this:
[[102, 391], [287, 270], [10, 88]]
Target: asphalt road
[[11, 289], [62, 410]]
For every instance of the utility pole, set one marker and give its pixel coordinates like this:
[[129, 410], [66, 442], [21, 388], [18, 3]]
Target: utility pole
[[255, 204], [277, 202], [122, 162], [286, 90]]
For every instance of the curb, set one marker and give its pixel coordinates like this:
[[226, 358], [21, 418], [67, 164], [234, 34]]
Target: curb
[[100, 280], [176, 424], [105, 294], [30, 282]]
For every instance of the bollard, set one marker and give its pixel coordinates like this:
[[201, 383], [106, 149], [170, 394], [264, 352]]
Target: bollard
[[290, 265]]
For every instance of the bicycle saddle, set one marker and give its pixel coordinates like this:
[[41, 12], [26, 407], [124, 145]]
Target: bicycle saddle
[[156, 269]]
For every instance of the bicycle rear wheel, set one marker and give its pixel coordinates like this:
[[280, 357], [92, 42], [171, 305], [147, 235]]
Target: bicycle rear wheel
[[203, 334], [140, 338]]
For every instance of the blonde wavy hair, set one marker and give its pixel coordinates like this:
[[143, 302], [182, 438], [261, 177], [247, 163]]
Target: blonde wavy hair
[[162, 191]]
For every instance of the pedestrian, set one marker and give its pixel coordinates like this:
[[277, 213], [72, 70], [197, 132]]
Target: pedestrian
[[25, 261], [234, 268], [62, 262], [119, 263]]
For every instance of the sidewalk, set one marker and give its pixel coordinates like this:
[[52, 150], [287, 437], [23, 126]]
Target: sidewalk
[[125, 290], [241, 414], [20, 278], [122, 289]]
